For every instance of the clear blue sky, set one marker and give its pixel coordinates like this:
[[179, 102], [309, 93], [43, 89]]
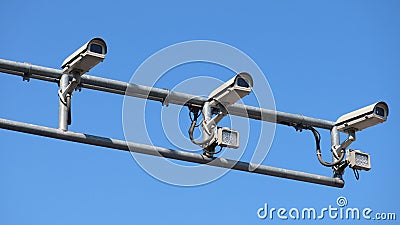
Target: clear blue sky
[[321, 58]]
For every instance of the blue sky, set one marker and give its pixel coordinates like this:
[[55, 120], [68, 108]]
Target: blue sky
[[321, 59]]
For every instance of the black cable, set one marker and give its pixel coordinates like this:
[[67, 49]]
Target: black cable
[[190, 116], [220, 149], [317, 137], [191, 130], [356, 174], [196, 115], [69, 120], [209, 153]]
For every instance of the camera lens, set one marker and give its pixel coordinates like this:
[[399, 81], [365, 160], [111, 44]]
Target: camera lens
[[96, 48], [242, 82], [380, 111]]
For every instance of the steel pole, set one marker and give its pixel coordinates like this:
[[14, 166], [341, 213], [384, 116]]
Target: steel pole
[[335, 142], [168, 153], [204, 133], [158, 94], [63, 109]]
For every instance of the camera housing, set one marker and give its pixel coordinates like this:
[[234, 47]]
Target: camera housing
[[86, 57], [363, 118], [232, 90]]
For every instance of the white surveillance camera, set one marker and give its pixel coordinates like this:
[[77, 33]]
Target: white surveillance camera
[[363, 118], [80, 62], [86, 57], [232, 90]]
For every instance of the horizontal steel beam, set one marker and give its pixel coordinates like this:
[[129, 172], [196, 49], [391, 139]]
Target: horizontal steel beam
[[118, 87], [167, 153]]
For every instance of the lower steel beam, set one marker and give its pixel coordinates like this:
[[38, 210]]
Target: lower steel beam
[[168, 153]]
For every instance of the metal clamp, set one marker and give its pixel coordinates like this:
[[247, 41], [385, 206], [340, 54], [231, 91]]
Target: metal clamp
[[27, 75], [165, 101], [63, 94]]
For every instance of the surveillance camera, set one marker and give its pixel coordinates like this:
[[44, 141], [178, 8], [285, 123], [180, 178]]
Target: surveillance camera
[[363, 118], [232, 91], [86, 57]]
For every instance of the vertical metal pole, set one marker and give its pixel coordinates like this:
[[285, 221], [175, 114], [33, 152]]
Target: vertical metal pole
[[209, 131], [335, 142], [206, 117], [335, 137], [63, 107]]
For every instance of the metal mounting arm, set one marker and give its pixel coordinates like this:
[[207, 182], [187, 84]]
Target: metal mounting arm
[[337, 149], [76, 80]]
